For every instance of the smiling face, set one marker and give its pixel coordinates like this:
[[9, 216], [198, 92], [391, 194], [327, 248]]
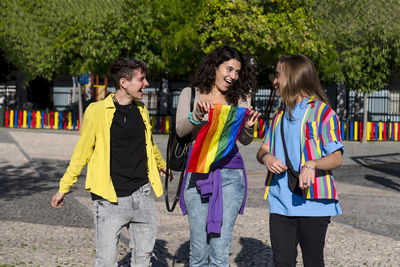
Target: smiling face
[[280, 79], [134, 87], [226, 74]]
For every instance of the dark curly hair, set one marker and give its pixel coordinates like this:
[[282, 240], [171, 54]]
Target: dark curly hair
[[123, 68], [205, 75]]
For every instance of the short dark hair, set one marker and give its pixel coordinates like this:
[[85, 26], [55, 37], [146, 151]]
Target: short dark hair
[[206, 72], [123, 68]]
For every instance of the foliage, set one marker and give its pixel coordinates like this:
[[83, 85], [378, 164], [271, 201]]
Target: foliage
[[365, 34], [25, 38], [161, 32], [356, 41], [46, 38], [265, 30]]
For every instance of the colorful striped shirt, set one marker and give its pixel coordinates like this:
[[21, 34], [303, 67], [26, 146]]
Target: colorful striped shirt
[[320, 126]]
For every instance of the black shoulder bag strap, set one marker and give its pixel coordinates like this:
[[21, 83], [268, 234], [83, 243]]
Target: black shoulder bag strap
[[182, 174], [293, 176]]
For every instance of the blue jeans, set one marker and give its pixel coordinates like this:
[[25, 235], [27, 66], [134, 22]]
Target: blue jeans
[[138, 212], [206, 250]]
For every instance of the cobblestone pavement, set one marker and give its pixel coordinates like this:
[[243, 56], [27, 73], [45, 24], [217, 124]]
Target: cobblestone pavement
[[34, 234]]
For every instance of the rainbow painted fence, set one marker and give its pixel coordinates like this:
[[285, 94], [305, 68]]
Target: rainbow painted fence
[[41, 120], [350, 130]]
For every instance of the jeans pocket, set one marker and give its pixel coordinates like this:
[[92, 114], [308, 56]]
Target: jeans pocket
[[146, 189], [102, 203]]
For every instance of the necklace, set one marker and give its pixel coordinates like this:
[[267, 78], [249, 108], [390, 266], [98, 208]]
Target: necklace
[[119, 108]]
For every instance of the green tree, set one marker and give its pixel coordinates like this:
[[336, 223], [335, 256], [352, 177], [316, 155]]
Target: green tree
[[27, 40], [48, 38], [263, 29], [365, 34], [163, 35]]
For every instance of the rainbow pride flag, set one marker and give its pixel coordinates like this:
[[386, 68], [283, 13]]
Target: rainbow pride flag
[[217, 138]]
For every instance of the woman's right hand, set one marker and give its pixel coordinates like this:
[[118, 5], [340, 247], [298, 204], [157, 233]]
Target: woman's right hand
[[274, 164], [202, 108]]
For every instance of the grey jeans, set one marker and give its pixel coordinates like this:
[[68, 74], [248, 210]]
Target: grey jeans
[[137, 212]]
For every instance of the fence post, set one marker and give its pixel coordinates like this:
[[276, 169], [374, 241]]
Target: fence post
[[373, 130], [356, 130], [384, 131], [15, 119], [69, 119], [260, 127], [398, 131], [167, 124], [255, 128], [24, 118], [11, 118], [351, 130]]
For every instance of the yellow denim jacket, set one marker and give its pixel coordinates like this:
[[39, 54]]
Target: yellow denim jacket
[[93, 148]]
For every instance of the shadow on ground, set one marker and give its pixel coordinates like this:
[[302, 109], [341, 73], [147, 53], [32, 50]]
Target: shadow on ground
[[383, 181], [381, 171], [20, 181], [40, 175], [254, 253]]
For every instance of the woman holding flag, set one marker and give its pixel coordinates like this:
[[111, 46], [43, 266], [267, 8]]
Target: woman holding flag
[[308, 130], [215, 185]]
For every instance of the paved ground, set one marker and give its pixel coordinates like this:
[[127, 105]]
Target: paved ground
[[34, 234]]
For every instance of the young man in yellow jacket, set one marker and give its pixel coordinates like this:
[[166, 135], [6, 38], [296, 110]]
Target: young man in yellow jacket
[[123, 165]]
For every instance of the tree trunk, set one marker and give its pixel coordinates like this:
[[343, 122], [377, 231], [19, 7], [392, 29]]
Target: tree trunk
[[73, 89], [365, 119], [356, 106]]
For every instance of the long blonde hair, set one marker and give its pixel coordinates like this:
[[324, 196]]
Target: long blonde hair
[[302, 80]]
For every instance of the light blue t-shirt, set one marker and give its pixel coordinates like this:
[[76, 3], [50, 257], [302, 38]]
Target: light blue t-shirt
[[281, 200]]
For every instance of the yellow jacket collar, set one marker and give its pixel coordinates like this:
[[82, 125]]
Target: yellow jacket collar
[[109, 102]]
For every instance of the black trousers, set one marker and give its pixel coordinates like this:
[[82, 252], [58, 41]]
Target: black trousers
[[287, 232]]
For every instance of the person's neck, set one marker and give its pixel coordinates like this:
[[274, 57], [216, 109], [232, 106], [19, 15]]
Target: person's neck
[[122, 98], [215, 92], [301, 97], [217, 96]]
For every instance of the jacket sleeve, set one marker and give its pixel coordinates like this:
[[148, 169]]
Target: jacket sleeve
[[183, 125], [81, 154]]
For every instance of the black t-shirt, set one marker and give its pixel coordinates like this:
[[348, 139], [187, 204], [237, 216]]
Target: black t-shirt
[[128, 151]]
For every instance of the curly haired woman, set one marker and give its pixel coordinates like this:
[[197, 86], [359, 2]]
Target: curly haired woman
[[225, 77]]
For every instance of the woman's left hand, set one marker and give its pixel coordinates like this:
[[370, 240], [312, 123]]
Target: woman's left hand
[[252, 118], [163, 173], [307, 175]]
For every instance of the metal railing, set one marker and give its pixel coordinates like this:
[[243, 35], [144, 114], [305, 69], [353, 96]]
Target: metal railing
[[8, 96], [383, 105]]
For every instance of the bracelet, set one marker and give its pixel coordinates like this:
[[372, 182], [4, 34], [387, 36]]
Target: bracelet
[[263, 156], [308, 167], [192, 120]]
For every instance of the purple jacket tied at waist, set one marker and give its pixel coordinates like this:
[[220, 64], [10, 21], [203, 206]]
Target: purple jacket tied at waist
[[211, 187]]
